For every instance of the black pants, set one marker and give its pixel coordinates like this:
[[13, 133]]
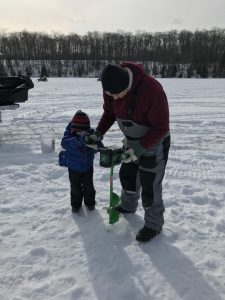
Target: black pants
[[145, 178], [82, 187]]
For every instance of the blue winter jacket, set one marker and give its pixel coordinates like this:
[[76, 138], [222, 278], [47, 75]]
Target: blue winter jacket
[[77, 156]]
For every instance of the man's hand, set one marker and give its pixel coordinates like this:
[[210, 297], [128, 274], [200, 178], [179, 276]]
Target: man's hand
[[128, 156], [96, 136], [138, 149]]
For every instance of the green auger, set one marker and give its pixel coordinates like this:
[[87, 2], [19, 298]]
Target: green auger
[[108, 159]]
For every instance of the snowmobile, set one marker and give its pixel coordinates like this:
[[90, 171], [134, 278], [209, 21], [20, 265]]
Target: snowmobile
[[14, 89], [44, 78]]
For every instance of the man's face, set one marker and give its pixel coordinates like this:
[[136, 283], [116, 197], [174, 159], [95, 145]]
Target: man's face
[[119, 95]]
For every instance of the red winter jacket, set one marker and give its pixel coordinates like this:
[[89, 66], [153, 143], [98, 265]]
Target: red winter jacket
[[151, 107]]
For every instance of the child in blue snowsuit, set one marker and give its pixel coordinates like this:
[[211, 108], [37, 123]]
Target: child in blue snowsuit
[[79, 158]]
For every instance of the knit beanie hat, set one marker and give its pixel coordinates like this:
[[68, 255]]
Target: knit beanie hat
[[114, 78], [80, 121]]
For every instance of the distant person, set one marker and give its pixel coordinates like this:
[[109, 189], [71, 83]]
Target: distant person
[[78, 158], [139, 105]]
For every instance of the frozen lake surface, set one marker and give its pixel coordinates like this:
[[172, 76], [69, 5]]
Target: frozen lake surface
[[46, 252]]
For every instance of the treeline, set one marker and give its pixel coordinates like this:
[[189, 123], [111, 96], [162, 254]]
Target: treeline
[[202, 49], [92, 68]]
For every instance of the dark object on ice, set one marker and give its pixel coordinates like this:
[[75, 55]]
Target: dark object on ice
[[14, 89], [44, 78]]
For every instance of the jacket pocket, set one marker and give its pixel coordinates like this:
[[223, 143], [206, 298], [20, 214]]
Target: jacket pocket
[[63, 159]]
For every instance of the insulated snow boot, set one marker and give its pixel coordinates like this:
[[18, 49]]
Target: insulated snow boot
[[121, 210], [146, 234]]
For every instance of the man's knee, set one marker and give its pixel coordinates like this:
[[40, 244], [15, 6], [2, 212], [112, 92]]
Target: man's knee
[[128, 176]]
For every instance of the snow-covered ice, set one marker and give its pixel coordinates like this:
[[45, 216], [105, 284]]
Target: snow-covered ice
[[46, 252]]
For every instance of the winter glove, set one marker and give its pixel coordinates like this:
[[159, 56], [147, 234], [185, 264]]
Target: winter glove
[[94, 140], [128, 156], [96, 136], [138, 149]]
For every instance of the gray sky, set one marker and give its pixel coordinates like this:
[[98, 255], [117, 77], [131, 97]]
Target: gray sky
[[81, 16]]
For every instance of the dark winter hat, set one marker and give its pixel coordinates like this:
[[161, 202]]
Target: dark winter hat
[[80, 121], [115, 79]]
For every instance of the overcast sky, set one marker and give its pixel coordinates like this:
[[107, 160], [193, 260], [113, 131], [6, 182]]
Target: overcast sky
[[81, 16]]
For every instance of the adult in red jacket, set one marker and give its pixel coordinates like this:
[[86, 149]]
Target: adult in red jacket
[[139, 105]]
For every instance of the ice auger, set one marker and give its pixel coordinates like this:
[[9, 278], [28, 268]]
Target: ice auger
[[108, 159]]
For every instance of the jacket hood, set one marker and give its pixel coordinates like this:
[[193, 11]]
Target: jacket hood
[[137, 70]]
